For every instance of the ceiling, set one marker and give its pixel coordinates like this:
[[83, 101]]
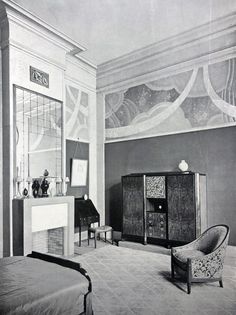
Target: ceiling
[[111, 28]]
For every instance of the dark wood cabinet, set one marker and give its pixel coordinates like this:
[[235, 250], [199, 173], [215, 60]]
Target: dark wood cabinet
[[164, 208]]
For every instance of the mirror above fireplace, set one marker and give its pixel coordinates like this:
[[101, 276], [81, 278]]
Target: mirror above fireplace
[[38, 136]]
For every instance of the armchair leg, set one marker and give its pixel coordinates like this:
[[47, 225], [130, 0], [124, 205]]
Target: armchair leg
[[221, 283]]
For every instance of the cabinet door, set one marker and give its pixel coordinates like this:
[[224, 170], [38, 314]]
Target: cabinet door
[[133, 194], [156, 225], [181, 208]]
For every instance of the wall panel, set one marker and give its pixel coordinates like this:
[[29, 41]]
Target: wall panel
[[212, 152]]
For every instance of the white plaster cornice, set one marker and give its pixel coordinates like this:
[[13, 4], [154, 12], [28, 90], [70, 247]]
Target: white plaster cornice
[[83, 64], [15, 13], [215, 28], [188, 65], [208, 43]]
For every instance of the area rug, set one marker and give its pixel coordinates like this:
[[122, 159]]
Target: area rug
[[129, 281]]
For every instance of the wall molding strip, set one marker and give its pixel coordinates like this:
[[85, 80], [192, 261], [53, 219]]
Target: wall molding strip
[[33, 23]]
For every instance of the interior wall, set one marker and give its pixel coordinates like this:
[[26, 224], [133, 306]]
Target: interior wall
[[1, 165], [76, 150], [211, 152]]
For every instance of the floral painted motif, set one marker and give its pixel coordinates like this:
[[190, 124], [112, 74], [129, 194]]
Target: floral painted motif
[[210, 266]]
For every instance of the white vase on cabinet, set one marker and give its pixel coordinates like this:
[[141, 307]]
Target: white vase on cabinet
[[183, 166]]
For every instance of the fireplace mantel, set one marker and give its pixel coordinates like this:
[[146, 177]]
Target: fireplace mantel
[[32, 215]]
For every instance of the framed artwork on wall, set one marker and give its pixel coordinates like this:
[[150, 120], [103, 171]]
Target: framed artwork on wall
[[79, 172]]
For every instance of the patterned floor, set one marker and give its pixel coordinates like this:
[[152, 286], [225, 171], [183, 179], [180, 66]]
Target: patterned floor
[[131, 281]]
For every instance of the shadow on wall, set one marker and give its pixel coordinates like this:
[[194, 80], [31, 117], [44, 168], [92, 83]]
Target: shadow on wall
[[114, 204]]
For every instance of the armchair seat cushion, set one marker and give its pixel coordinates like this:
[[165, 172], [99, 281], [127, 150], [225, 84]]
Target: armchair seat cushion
[[183, 255]]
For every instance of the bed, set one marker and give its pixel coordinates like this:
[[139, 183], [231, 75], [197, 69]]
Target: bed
[[43, 284]]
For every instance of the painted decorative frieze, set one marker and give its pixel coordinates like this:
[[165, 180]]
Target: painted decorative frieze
[[77, 116], [201, 98]]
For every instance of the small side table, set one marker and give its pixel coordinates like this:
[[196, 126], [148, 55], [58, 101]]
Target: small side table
[[100, 229]]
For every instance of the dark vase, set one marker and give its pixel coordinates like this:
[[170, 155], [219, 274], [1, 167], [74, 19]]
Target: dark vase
[[25, 192], [44, 187], [35, 188]]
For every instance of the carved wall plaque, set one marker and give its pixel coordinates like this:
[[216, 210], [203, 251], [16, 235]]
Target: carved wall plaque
[[39, 77]]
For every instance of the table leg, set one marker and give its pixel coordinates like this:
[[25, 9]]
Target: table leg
[[95, 240], [79, 235]]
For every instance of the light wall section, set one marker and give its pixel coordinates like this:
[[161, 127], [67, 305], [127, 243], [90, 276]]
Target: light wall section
[[1, 159], [25, 41], [100, 155], [80, 77]]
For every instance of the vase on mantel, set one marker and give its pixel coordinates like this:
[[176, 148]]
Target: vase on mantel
[[183, 166]]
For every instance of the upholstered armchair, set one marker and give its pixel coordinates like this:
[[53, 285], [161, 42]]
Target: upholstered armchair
[[202, 260]]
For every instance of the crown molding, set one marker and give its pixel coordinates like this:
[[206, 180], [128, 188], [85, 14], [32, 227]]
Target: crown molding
[[176, 52], [16, 14], [204, 32], [82, 64], [143, 77]]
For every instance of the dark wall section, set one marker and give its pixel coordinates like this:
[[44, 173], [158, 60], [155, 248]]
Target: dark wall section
[[81, 152], [212, 152]]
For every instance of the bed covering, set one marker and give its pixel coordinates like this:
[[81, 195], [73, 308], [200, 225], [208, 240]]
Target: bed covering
[[33, 286]]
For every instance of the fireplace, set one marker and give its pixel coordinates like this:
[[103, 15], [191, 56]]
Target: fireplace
[[44, 225]]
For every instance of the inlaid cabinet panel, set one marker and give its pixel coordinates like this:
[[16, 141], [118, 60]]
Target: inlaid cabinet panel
[[155, 187], [156, 225], [133, 194], [181, 208]]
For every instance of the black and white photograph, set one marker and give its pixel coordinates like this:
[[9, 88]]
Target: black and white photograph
[[118, 157]]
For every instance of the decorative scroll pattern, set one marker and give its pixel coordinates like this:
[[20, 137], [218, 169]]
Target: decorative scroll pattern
[[77, 116], [211, 265], [225, 107], [202, 98], [148, 119], [155, 187]]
